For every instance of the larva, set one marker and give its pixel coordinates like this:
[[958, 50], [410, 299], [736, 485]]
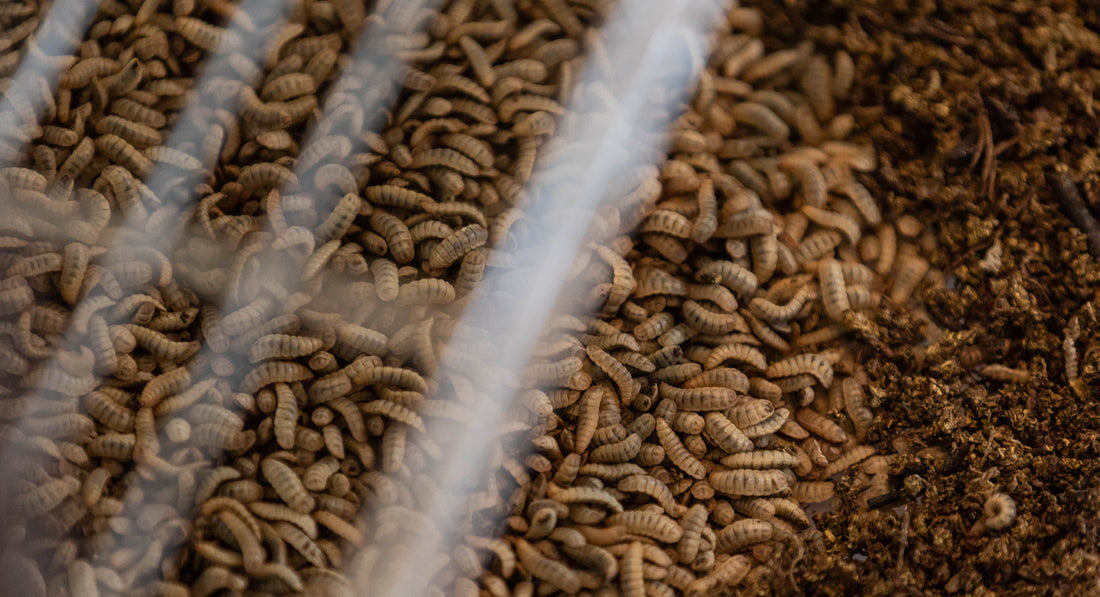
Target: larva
[[301, 542], [117, 446], [647, 485], [861, 416], [668, 222], [122, 153], [397, 236], [585, 495], [457, 245], [617, 452], [546, 569], [728, 274], [654, 326], [287, 485], [649, 524], [266, 175], [45, 497], [743, 533], [813, 363], [714, 293], [709, 322], [283, 346], [676, 451], [768, 311], [760, 459], [709, 398], [821, 426], [364, 372], [768, 426], [911, 270], [999, 511], [848, 459], [615, 370], [746, 482], [812, 492], [738, 352], [631, 573], [137, 134]]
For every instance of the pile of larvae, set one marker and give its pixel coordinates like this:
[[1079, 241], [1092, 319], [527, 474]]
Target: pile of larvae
[[219, 353]]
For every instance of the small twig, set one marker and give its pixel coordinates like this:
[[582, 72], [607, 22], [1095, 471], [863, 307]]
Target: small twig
[[1077, 211], [903, 543]]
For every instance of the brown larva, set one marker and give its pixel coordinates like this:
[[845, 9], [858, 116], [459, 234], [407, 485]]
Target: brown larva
[[760, 459], [649, 524], [266, 175], [709, 322], [843, 223], [911, 270], [737, 352], [585, 495], [863, 201], [617, 452], [729, 274], [745, 482], [700, 399], [821, 426], [999, 372], [616, 371], [848, 459], [396, 233], [363, 372], [631, 573], [668, 222], [137, 134], [812, 492], [546, 569], [300, 541], [457, 245], [676, 451], [271, 372], [121, 152], [654, 489], [813, 363], [287, 485], [45, 497], [768, 426]]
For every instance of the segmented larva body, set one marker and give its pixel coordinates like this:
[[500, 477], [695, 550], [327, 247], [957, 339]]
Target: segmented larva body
[[700, 399], [709, 322], [1004, 373], [729, 274], [741, 534], [654, 326], [287, 485], [677, 453], [270, 372], [812, 363], [632, 573], [742, 353], [861, 416], [650, 486], [760, 459], [615, 370], [283, 346], [812, 492], [768, 311], [821, 426], [457, 245], [747, 482], [617, 452], [911, 271], [848, 459]]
